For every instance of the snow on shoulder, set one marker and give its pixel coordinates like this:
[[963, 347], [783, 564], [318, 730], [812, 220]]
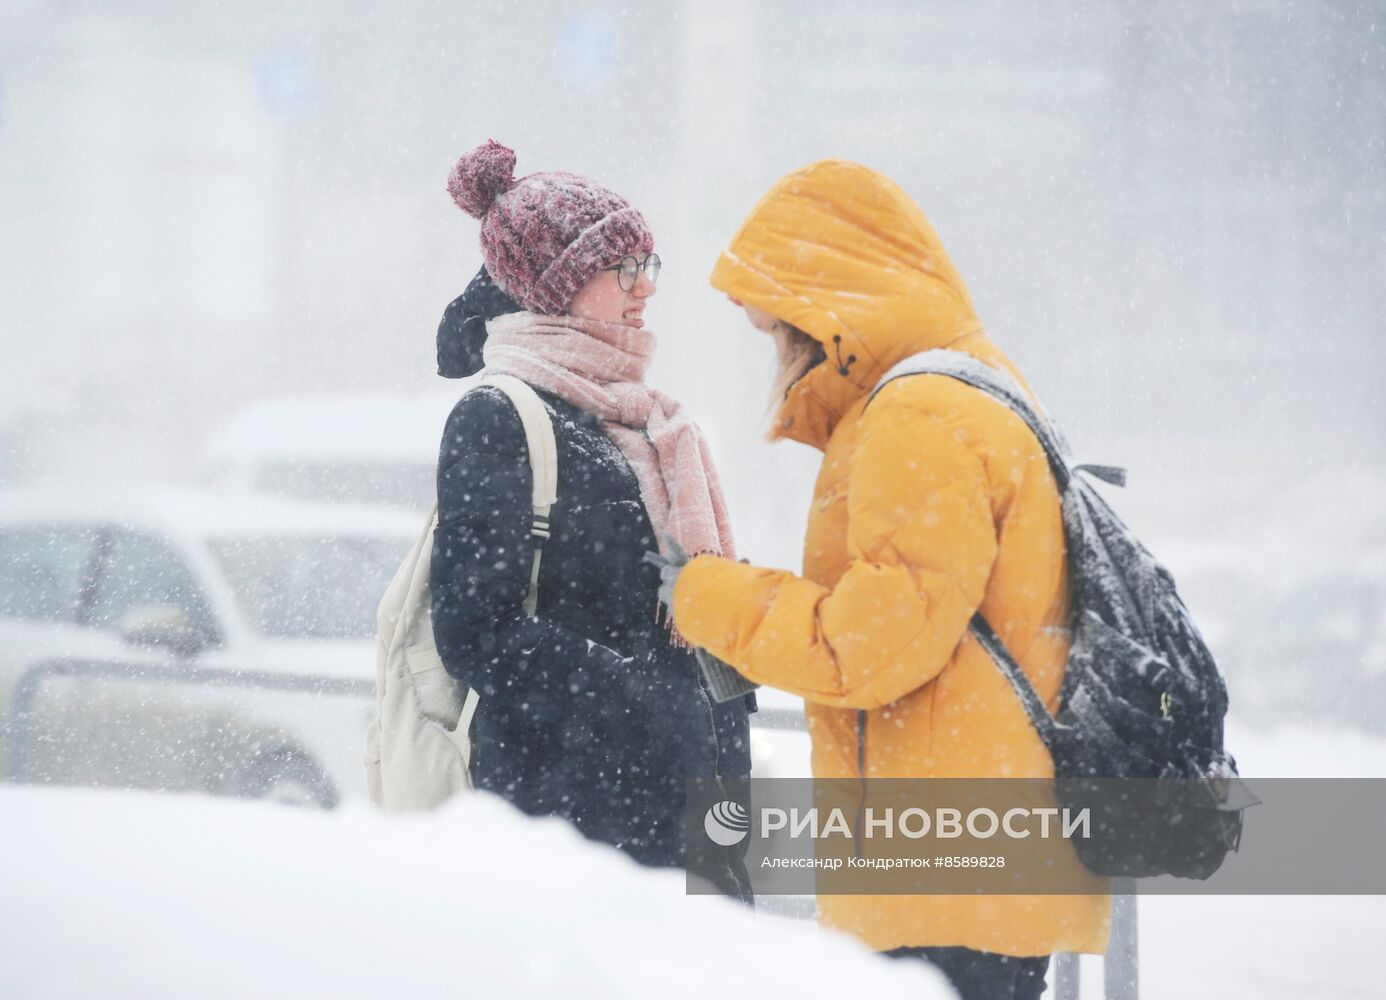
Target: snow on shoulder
[[135, 894]]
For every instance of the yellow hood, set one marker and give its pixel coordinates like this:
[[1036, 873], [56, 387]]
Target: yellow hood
[[842, 253]]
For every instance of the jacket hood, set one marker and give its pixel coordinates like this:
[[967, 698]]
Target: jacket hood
[[845, 255], [462, 332]]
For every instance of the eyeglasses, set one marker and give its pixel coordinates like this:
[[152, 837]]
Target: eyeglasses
[[628, 271]]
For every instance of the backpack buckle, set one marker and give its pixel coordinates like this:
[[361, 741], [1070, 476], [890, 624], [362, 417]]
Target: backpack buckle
[[1113, 475]]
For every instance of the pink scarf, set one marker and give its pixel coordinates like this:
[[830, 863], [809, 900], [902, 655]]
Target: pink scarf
[[600, 368]]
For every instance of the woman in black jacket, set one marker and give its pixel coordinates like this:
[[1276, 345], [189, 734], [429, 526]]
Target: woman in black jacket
[[592, 709]]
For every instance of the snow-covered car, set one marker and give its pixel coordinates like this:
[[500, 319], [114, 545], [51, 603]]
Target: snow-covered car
[[185, 640], [371, 449]]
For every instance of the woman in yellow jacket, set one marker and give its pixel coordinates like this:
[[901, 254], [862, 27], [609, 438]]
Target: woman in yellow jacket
[[934, 503]]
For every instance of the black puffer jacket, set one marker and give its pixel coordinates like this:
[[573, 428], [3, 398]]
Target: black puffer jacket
[[586, 711], [462, 331]]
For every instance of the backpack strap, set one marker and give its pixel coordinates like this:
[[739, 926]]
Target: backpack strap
[[1044, 723], [543, 461], [1000, 385]]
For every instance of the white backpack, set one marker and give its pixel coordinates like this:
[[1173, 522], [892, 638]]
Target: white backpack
[[417, 750]]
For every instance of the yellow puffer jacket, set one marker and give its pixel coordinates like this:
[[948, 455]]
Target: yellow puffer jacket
[[931, 503]]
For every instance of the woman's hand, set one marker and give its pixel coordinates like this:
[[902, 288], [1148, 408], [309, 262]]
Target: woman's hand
[[669, 568]]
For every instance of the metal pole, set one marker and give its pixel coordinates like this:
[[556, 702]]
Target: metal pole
[[1066, 974], [1119, 969]]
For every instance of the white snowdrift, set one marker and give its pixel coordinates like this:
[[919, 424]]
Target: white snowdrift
[[123, 894]]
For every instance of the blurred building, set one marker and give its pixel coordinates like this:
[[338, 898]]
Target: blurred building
[[1171, 213]]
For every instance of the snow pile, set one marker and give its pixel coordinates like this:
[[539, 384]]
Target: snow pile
[[1261, 947], [117, 894]]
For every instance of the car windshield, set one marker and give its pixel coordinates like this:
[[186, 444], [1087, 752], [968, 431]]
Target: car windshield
[[310, 587]]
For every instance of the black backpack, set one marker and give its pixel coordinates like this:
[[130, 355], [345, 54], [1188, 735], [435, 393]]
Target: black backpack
[[1141, 697]]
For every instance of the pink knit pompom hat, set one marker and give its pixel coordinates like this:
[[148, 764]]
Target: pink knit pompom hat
[[545, 235]]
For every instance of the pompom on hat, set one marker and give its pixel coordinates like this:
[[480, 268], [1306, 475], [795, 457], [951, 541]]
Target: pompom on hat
[[543, 236], [482, 176]]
